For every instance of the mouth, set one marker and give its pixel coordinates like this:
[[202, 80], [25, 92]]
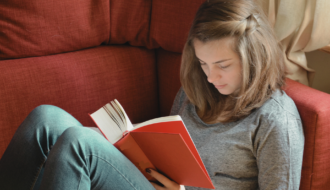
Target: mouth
[[220, 86]]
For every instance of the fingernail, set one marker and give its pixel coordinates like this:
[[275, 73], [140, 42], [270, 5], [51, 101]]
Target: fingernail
[[148, 170]]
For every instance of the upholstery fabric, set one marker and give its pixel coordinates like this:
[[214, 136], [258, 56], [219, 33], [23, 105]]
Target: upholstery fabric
[[37, 28], [79, 82], [168, 66], [27, 28], [130, 22], [314, 109], [171, 21]]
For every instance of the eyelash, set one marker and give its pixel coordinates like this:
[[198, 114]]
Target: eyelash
[[219, 65], [223, 67]]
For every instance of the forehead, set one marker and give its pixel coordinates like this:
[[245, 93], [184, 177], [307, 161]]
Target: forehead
[[215, 49]]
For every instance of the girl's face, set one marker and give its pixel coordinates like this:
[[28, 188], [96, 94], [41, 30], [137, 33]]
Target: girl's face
[[220, 63]]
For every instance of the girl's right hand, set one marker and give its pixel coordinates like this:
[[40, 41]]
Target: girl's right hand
[[168, 184]]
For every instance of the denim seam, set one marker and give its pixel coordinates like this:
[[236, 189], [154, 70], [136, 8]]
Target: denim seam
[[79, 182], [81, 175], [113, 168], [38, 173]]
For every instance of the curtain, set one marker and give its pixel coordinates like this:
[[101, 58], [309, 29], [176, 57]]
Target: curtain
[[326, 49], [300, 26]]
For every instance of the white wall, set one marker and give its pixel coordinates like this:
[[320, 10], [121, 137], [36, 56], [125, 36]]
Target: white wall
[[320, 62]]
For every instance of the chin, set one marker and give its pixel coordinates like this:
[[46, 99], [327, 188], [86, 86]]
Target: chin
[[225, 92]]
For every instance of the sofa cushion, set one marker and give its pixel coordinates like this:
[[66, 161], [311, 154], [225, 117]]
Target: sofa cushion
[[171, 21], [168, 66], [44, 28], [38, 27], [130, 23], [79, 82]]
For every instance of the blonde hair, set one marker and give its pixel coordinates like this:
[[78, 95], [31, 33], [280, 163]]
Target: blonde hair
[[263, 69]]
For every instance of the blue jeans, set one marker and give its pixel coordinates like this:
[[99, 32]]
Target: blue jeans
[[52, 150]]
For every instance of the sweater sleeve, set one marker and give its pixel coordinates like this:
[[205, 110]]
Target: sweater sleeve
[[278, 148]]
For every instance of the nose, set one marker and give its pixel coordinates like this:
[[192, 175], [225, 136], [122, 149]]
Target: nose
[[213, 75]]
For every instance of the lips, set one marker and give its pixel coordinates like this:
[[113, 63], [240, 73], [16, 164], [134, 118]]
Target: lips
[[220, 86]]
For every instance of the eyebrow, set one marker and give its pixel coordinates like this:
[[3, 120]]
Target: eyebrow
[[220, 61]]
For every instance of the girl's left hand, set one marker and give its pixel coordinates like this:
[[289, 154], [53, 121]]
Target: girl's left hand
[[168, 184]]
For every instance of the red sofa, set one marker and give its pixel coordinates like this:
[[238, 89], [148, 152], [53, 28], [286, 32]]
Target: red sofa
[[79, 55]]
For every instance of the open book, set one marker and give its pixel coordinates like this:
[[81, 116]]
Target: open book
[[162, 143]]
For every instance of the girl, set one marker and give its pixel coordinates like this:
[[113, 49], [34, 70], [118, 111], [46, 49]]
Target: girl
[[246, 129]]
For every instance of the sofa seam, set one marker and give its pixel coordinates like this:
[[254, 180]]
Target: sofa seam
[[109, 22]]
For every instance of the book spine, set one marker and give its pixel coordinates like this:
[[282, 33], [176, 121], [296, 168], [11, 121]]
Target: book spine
[[125, 133]]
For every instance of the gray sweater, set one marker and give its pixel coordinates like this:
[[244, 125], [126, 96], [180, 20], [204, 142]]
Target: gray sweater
[[262, 151]]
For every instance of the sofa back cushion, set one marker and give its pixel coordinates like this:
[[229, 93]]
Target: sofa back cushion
[[79, 82], [38, 27], [130, 22], [171, 21]]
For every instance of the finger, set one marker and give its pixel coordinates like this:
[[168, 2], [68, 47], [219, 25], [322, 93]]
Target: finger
[[161, 178], [157, 187]]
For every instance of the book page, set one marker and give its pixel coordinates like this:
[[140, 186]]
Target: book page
[[112, 120], [128, 123], [158, 120], [108, 127]]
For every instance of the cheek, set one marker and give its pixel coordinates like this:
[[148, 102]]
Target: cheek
[[236, 77]]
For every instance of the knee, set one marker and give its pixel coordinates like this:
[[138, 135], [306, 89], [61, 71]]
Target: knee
[[76, 134], [84, 137], [48, 118], [52, 115], [46, 111]]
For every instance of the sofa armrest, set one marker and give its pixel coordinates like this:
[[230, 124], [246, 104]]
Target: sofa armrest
[[314, 109]]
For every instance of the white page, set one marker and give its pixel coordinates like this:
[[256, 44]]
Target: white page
[[158, 120], [107, 125], [129, 125]]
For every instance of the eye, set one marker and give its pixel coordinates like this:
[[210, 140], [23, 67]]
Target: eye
[[223, 67], [202, 63]]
